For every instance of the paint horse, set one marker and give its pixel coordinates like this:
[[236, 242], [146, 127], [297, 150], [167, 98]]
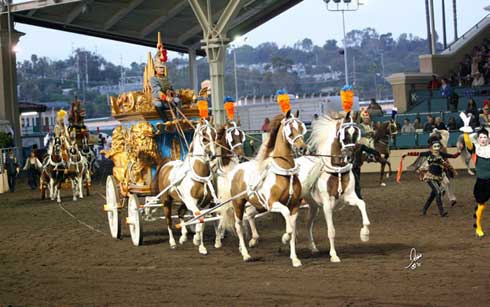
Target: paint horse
[[77, 171], [188, 182], [230, 140], [53, 173], [384, 131], [326, 177], [270, 182]]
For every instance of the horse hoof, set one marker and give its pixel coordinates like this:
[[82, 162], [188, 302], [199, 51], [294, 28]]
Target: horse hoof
[[471, 173], [247, 258], [364, 234], [296, 263], [203, 250], [182, 240], [253, 242], [173, 246], [196, 240], [217, 245], [315, 250], [383, 184], [334, 259], [285, 238]]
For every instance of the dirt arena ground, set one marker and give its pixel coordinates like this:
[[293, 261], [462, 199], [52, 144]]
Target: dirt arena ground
[[48, 258]]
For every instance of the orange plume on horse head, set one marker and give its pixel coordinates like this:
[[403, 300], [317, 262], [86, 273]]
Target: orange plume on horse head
[[283, 100], [202, 106], [229, 105]]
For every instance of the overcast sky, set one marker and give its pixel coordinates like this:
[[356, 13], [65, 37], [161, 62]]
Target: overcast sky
[[309, 19]]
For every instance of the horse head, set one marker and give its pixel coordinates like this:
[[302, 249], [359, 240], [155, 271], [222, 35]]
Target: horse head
[[204, 139], [294, 131], [348, 134], [234, 138]]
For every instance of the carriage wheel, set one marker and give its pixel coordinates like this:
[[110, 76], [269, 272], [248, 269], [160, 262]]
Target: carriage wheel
[[134, 221], [112, 199]]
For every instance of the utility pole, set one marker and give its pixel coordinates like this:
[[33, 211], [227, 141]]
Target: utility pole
[[354, 70], [444, 39], [345, 8], [455, 18]]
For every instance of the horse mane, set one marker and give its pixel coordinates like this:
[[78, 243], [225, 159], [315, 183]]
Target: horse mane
[[322, 131], [221, 136], [267, 148]]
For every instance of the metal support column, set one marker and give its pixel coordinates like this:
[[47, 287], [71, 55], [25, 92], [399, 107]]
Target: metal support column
[[193, 70], [214, 43], [433, 27], [444, 39], [9, 109]]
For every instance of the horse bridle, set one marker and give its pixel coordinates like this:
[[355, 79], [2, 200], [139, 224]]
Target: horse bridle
[[203, 130], [229, 136], [287, 131], [341, 133]]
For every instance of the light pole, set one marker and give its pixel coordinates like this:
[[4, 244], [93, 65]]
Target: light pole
[[236, 43], [346, 7]]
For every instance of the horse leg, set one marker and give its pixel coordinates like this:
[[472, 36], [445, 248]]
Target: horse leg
[[251, 212], [279, 207], [58, 192], [239, 206], [292, 243], [353, 200], [80, 185], [313, 213], [191, 204], [389, 166], [383, 164], [183, 237], [219, 231], [74, 188], [328, 205], [167, 211], [51, 188]]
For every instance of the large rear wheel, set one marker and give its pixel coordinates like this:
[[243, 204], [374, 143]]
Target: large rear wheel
[[112, 207], [134, 220]]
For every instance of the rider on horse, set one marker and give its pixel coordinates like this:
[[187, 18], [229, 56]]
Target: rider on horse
[[367, 131]]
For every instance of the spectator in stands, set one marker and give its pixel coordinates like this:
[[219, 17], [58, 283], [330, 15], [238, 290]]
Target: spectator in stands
[[407, 126], [429, 125], [478, 80], [451, 96], [451, 124], [434, 83], [463, 71], [374, 109], [439, 124], [485, 116], [417, 124], [412, 95], [473, 110], [475, 62]]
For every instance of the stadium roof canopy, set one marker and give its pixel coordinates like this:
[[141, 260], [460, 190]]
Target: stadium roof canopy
[[138, 21]]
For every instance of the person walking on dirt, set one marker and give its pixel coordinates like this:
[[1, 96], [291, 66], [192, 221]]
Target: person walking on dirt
[[437, 164], [478, 143], [12, 168], [33, 167]]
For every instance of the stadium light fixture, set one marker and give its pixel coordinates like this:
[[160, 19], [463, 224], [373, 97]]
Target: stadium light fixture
[[346, 7]]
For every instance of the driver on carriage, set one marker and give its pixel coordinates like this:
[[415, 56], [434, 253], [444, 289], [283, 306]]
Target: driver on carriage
[[161, 88], [367, 131]]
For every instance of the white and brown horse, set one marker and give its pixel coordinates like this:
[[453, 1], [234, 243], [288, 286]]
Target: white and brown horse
[[270, 182], [230, 142], [189, 182], [53, 172], [77, 171], [327, 178]]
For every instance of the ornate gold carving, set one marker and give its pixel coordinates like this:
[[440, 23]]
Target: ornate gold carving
[[118, 154]]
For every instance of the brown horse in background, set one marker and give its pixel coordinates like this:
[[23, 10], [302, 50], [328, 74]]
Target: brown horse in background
[[382, 135]]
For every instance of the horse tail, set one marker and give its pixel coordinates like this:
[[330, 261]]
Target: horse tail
[[227, 214], [154, 181]]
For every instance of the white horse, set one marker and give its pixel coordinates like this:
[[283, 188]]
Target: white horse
[[326, 178], [188, 182]]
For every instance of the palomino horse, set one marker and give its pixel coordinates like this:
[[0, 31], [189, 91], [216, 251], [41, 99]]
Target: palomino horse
[[188, 182], [53, 173], [270, 183], [382, 135], [77, 171], [230, 142], [326, 177]]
